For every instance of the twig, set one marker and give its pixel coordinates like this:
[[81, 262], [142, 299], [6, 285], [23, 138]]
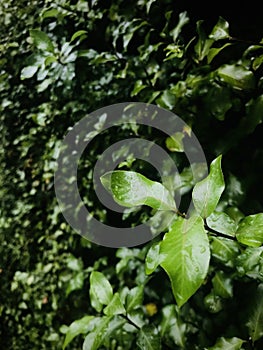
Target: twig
[[130, 322]]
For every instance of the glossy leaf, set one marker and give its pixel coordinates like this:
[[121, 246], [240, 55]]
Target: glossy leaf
[[224, 250], [153, 258], [28, 72], [41, 40], [250, 230], [183, 20], [237, 76], [134, 298], [203, 44], [220, 30], [96, 337], [221, 222], [250, 263], [175, 142], [214, 51], [77, 327], [206, 193], [100, 290], [148, 338], [223, 285], [115, 307], [255, 322], [78, 34], [131, 189], [187, 254], [228, 344], [172, 325]]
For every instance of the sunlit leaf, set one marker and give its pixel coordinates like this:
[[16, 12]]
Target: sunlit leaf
[[41, 40], [250, 230], [187, 254], [206, 193], [131, 189], [148, 338]]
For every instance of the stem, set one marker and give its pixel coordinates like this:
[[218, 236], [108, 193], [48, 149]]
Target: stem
[[250, 42], [130, 321], [216, 233]]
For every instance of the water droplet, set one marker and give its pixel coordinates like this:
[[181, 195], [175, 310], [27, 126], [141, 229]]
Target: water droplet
[[202, 250], [196, 269]]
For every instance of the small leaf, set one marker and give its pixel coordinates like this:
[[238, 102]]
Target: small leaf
[[214, 51], [221, 222], [237, 76], [250, 230], [206, 193], [139, 86], [223, 285], [28, 72], [183, 20], [172, 325], [96, 337], [148, 338], [220, 30], [153, 258], [203, 44], [41, 40], [213, 303], [224, 250], [76, 328], [134, 298], [115, 307], [78, 34], [256, 319], [228, 344], [166, 100], [100, 290], [131, 189], [187, 255], [175, 142]]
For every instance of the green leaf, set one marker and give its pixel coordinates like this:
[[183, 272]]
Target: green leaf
[[220, 30], [77, 327], [115, 307], [78, 34], [148, 338], [221, 222], [175, 142], [206, 193], [75, 283], [214, 51], [139, 86], [250, 263], [213, 303], [203, 44], [237, 76], [100, 290], [228, 344], [255, 323], [224, 250], [172, 325], [166, 100], [96, 337], [131, 189], [250, 230], [134, 298], [41, 40], [28, 72], [153, 258], [183, 20], [187, 254], [223, 285]]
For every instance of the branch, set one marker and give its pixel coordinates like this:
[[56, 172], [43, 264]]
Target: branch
[[130, 321], [216, 233]]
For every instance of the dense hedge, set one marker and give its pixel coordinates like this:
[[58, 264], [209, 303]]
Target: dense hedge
[[63, 59]]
